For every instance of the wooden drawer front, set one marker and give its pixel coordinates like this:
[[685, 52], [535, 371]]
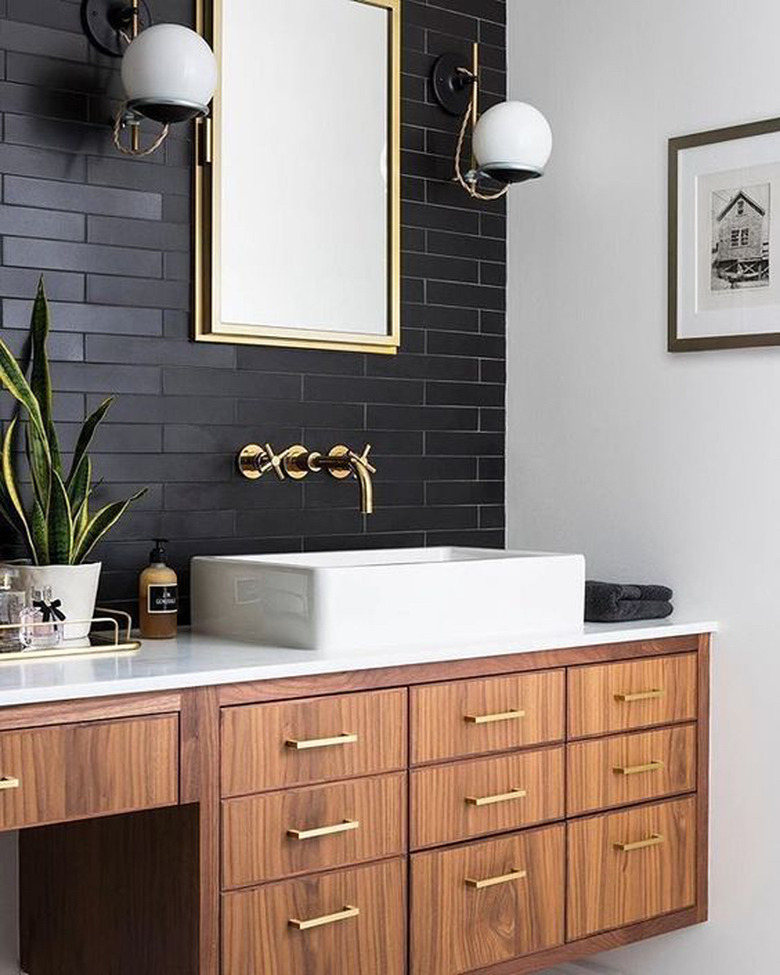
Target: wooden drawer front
[[460, 923], [486, 795], [498, 713], [610, 886], [73, 771], [272, 746], [630, 768], [260, 938], [635, 694], [280, 834]]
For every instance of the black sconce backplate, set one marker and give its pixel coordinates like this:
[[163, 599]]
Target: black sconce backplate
[[451, 86], [105, 20]]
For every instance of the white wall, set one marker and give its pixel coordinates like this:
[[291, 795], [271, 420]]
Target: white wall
[[658, 467]]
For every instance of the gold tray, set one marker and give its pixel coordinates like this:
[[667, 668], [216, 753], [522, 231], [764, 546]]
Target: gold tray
[[117, 640]]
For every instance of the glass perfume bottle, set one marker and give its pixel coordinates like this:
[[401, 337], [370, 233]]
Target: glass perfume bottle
[[12, 599], [40, 629]]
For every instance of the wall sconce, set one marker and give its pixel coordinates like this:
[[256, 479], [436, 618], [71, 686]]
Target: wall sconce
[[511, 142], [168, 71]]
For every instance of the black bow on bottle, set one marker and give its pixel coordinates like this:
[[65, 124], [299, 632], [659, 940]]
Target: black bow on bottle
[[51, 610]]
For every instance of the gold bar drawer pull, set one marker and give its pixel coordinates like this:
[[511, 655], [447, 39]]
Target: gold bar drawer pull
[[492, 718], [640, 696], [493, 881], [655, 839], [638, 769], [310, 834], [300, 744], [491, 800], [317, 922], [9, 782]]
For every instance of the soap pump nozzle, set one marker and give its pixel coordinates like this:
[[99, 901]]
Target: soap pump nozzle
[[158, 555]]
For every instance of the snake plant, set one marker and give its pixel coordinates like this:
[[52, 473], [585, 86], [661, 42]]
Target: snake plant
[[51, 513]]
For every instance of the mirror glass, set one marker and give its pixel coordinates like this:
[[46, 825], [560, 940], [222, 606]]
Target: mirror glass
[[303, 173]]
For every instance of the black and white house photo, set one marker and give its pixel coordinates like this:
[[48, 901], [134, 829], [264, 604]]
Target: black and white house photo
[[740, 219], [723, 291]]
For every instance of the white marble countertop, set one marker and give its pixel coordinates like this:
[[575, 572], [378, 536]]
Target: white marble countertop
[[192, 660]]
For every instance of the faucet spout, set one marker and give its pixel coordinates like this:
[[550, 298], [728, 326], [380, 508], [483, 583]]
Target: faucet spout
[[363, 471]]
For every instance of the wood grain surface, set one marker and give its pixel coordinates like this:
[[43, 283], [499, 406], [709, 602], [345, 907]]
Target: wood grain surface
[[595, 708], [256, 758], [608, 887], [456, 928], [439, 712], [90, 769], [439, 812], [593, 781], [88, 709], [256, 845], [259, 940], [199, 759], [112, 896], [410, 674]]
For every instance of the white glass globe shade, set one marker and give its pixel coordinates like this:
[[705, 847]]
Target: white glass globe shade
[[168, 64], [512, 142]]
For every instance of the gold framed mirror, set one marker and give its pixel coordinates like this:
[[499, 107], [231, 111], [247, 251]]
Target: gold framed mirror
[[297, 182]]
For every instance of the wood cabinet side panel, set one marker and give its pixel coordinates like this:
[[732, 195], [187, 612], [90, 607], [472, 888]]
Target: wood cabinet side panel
[[200, 763], [703, 780]]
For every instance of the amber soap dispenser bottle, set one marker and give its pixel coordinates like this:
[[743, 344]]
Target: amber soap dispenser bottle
[[158, 596]]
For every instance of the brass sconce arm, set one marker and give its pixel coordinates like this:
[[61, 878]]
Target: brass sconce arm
[[296, 462]]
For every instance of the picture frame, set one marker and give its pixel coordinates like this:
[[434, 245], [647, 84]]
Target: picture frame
[[724, 238]]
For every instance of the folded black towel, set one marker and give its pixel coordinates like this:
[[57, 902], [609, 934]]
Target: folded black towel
[[611, 602]]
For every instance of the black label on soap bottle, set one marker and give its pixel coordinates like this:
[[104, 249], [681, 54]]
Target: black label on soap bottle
[[163, 599]]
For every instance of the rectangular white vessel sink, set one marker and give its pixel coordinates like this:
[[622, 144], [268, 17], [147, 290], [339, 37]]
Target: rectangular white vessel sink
[[345, 601]]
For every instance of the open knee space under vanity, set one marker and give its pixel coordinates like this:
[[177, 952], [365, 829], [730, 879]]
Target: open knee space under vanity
[[494, 814]]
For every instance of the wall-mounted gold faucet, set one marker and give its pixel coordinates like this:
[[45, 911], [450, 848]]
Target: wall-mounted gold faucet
[[297, 462]]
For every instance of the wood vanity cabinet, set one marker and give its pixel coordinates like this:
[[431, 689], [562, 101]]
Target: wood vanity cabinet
[[496, 815], [530, 809]]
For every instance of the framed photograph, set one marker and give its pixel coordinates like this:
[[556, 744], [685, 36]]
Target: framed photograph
[[724, 238]]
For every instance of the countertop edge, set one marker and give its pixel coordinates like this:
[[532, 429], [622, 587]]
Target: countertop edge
[[45, 681]]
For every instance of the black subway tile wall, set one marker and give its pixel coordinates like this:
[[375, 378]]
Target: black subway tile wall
[[112, 237]]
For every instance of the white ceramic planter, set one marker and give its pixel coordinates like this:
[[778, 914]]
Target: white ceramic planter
[[76, 588]]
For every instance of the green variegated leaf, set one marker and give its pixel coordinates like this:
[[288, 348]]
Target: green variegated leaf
[[12, 378], [98, 525], [86, 435], [40, 534], [79, 483], [40, 379], [38, 463], [80, 507], [9, 480], [60, 523], [7, 511], [80, 521]]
